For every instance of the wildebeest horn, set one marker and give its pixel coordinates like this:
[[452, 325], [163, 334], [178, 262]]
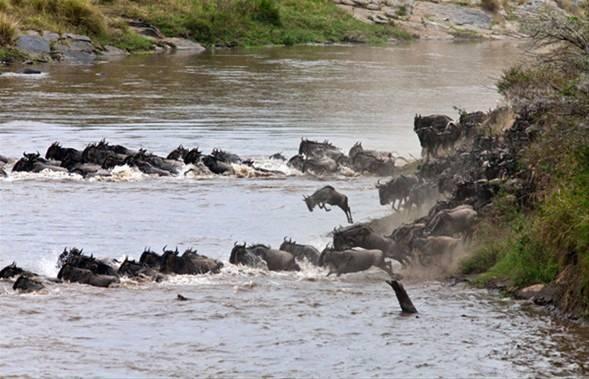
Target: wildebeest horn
[[234, 243], [164, 248]]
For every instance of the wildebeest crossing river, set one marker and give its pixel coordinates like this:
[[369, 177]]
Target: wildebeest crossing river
[[245, 322]]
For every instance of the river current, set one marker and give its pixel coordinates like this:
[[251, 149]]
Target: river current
[[246, 322]]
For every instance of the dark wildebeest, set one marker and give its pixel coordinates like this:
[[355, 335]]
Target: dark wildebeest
[[58, 153], [28, 283], [346, 261], [300, 252], [314, 149], [320, 166], [428, 130], [277, 156], [139, 270], [329, 195], [77, 259], [242, 255], [276, 260], [371, 161], [297, 162], [144, 166], [99, 152], [11, 271], [225, 156], [33, 162], [217, 166], [397, 190], [151, 259], [178, 153], [362, 235], [85, 276], [189, 263]]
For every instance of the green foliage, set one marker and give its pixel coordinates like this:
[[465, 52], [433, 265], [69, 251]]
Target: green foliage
[[261, 22], [8, 30], [128, 40]]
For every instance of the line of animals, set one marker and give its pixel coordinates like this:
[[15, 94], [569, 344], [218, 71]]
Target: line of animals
[[98, 159], [471, 176]]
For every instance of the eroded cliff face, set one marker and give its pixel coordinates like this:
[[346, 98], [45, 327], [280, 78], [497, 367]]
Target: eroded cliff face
[[453, 19]]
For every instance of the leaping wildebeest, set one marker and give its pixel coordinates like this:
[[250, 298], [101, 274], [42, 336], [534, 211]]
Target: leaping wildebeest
[[329, 195]]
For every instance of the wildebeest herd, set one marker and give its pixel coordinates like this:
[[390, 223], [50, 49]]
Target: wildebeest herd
[[98, 160], [468, 177]]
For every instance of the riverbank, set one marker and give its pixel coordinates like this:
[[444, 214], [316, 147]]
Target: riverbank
[[80, 30]]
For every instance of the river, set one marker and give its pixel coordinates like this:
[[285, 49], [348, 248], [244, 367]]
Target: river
[[246, 322]]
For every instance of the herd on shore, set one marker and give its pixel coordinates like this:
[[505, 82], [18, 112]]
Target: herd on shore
[[463, 163]]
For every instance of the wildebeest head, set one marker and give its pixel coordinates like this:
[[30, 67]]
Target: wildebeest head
[[287, 243], [150, 259], [10, 271], [27, 162], [193, 156], [310, 202], [236, 253], [314, 148], [357, 148], [178, 153], [54, 151]]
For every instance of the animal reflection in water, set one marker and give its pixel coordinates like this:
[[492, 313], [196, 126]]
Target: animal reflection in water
[[329, 195]]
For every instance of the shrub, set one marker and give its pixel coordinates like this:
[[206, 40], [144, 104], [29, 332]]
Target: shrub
[[8, 30]]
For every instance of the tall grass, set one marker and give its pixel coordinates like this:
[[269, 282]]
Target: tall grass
[[8, 30]]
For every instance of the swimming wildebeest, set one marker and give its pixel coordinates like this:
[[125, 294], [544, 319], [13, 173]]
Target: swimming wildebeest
[[329, 195], [138, 270], [189, 263], [33, 162], [28, 283], [301, 252], [58, 153], [275, 260], [85, 276], [76, 258], [11, 271], [314, 149], [346, 261], [362, 235]]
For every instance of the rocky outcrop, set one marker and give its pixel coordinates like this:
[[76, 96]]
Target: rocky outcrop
[[162, 42], [444, 19]]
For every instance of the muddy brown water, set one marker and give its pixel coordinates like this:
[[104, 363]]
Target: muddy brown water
[[244, 322]]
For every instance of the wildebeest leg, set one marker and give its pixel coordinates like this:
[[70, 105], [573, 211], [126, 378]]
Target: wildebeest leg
[[324, 206], [402, 296], [349, 216]]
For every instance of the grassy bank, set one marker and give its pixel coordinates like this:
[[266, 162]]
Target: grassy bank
[[210, 22], [547, 239]]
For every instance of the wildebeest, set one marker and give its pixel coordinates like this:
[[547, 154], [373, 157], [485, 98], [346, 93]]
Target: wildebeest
[[277, 156], [85, 276], [58, 153], [300, 251], [189, 263], [32, 162], [328, 195], [225, 156], [217, 166], [11, 271], [434, 246], [430, 131], [362, 235], [314, 149], [133, 269], [28, 283], [346, 261], [76, 258], [450, 222], [275, 260], [371, 161], [397, 190], [319, 166]]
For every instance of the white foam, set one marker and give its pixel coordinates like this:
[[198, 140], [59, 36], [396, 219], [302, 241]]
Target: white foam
[[23, 76]]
